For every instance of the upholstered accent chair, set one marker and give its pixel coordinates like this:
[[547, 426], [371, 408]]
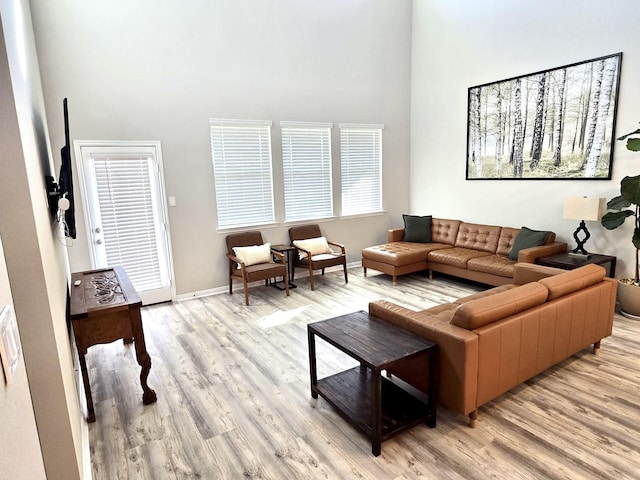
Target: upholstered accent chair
[[314, 251], [250, 259]]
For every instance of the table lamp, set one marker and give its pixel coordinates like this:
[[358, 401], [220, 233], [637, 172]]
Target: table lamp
[[583, 209]]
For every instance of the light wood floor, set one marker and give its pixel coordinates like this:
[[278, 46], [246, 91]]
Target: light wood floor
[[234, 402]]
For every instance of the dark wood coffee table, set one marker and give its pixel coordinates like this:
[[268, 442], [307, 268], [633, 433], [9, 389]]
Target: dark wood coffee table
[[379, 406]]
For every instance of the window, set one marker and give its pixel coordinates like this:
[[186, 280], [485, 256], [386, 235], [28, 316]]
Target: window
[[241, 151], [306, 157], [361, 160]]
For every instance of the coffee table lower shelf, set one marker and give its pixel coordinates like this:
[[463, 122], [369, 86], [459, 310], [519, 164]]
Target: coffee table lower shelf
[[349, 392]]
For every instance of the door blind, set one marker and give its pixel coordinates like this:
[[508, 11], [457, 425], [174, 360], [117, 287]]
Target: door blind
[[361, 168], [306, 157], [128, 225]]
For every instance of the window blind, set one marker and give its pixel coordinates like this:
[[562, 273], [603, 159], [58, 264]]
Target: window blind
[[241, 151], [306, 159], [361, 168], [124, 193]]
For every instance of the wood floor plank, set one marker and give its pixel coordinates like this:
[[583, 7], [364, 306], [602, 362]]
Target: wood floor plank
[[234, 399]]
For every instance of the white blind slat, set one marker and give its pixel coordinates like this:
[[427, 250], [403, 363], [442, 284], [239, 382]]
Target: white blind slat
[[361, 169], [306, 156], [128, 225], [241, 152]]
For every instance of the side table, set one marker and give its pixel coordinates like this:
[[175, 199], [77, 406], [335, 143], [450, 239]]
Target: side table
[[289, 251], [567, 262], [105, 307], [379, 406]]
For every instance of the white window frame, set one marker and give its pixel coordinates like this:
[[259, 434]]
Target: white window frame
[[307, 170], [244, 193], [361, 168]]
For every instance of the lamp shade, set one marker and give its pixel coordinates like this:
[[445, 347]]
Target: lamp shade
[[584, 208]]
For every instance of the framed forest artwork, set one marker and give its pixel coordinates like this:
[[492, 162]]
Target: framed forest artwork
[[554, 124]]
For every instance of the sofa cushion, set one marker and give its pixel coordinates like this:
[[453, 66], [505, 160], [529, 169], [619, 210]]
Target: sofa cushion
[[485, 293], [527, 238], [506, 239], [494, 264], [417, 229], [478, 237], [489, 309], [444, 231], [456, 257], [573, 280], [444, 307], [401, 253]]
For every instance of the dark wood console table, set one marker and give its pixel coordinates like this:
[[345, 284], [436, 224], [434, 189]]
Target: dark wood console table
[[380, 406], [105, 307]]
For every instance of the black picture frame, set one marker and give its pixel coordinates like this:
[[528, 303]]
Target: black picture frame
[[513, 125]]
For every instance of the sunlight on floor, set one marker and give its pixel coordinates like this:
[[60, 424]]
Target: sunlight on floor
[[280, 317]]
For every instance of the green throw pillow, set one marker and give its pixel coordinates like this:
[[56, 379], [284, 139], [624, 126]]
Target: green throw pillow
[[417, 229], [527, 238]]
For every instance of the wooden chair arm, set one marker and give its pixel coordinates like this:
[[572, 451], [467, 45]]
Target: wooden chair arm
[[306, 252], [339, 245], [280, 255], [233, 259]]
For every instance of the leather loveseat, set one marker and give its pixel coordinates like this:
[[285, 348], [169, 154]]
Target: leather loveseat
[[466, 250], [492, 341]]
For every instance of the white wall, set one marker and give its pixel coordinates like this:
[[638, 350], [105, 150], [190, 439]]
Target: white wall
[[20, 455], [458, 44], [153, 70], [36, 262]]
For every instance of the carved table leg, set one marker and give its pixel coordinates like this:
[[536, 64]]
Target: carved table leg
[[144, 360], [91, 416]]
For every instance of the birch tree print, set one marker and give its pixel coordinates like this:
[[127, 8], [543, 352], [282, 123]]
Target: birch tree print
[[553, 124]]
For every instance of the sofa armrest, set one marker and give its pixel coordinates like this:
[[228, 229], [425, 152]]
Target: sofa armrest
[[458, 354], [395, 235], [532, 272], [529, 255]]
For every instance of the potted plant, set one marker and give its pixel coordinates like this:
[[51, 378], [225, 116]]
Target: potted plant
[[618, 212]]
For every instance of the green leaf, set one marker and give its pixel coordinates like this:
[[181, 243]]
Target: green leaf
[[636, 238], [630, 189], [612, 220], [618, 203], [633, 144], [629, 134]]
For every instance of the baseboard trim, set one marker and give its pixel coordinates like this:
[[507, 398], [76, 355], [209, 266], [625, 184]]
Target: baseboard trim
[[300, 273]]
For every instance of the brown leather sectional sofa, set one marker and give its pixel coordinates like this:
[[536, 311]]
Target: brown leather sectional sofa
[[492, 341], [467, 250]]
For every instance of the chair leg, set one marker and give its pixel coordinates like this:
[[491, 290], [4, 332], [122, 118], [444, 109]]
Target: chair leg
[[230, 286], [313, 287], [286, 282], [346, 278], [246, 291], [365, 271], [323, 272]]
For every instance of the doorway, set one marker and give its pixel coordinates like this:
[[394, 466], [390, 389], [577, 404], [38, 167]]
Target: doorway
[[123, 193]]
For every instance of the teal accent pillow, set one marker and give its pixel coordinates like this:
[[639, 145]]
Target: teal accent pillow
[[527, 238], [417, 229]]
